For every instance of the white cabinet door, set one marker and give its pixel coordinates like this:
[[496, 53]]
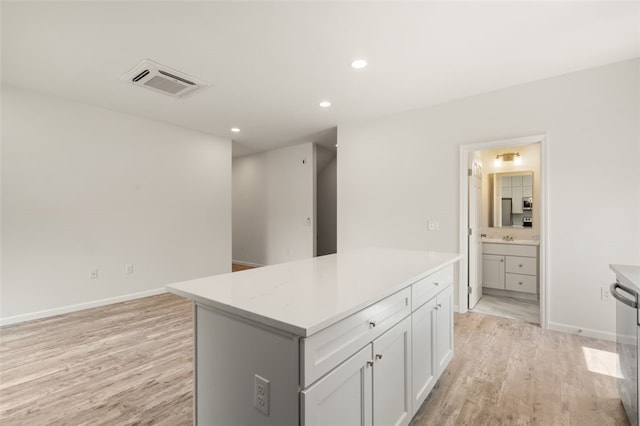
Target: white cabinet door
[[506, 182], [507, 192], [516, 196], [493, 271], [527, 191], [423, 366], [516, 180], [392, 376], [527, 180], [342, 397], [444, 329]]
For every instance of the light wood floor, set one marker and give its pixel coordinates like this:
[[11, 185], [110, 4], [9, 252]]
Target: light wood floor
[[509, 307], [131, 363], [236, 267]]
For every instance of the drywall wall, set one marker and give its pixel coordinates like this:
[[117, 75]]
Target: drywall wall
[[397, 172], [530, 155], [273, 205], [85, 187], [326, 201]]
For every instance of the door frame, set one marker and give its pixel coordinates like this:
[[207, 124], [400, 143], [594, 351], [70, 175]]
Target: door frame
[[465, 149]]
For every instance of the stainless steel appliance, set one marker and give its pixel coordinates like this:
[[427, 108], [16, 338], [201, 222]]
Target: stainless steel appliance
[[625, 291], [527, 203], [527, 222]]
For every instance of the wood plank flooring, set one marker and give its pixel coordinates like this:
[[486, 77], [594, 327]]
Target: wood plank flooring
[[122, 364], [508, 307], [131, 364], [236, 267], [509, 372]]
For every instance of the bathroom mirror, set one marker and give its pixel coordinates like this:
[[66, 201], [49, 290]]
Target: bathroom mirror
[[510, 199]]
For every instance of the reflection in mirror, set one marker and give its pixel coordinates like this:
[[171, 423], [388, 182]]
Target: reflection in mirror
[[512, 200]]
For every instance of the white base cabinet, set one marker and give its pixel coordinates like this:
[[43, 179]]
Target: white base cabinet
[[374, 385], [444, 327], [493, 271], [432, 343], [343, 396], [392, 376], [512, 267], [372, 368]]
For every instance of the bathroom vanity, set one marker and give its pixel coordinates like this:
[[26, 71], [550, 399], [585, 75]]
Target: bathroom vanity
[[355, 338], [510, 268]]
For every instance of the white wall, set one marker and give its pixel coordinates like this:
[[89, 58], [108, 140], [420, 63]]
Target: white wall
[[85, 187], [272, 199], [398, 171], [327, 198]]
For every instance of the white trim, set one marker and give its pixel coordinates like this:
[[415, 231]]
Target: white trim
[[587, 332], [79, 307], [241, 262], [465, 149], [463, 248]]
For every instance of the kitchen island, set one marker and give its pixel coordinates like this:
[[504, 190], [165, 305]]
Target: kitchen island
[[353, 338]]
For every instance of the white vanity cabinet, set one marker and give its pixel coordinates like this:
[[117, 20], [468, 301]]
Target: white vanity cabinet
[[493, 271], [333, 350], [510, 266]]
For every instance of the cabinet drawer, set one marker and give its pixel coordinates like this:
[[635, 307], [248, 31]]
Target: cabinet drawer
[[522, 265], [510, 249], [524, 283], [426, 288], [324, 350]]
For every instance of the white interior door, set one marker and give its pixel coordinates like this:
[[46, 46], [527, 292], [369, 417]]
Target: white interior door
[[475, 245]]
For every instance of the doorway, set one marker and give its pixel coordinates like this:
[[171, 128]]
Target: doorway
[[503, 228]]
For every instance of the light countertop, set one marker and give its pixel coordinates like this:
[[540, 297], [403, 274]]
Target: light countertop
[[628, 275], [501, 241], [305, 296]]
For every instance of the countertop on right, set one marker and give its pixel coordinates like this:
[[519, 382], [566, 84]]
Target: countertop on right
[[501, 241], [628, 275]]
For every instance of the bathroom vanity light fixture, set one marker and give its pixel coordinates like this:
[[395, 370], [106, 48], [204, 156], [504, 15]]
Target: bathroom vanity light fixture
[[509, 156]]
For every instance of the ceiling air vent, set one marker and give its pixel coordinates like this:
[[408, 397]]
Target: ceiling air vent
[[163, 79]]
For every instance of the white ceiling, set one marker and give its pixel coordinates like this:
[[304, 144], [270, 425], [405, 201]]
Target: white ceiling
[[271, 63]]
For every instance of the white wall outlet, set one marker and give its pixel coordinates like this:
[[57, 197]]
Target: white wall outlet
[[433, 225], [128, 269], [93, 273], [261, 394], [605, 294]]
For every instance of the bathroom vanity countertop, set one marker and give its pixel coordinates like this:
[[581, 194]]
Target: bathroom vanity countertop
[[519, 242]]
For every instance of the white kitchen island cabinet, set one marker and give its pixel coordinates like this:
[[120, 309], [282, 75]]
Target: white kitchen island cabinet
[[432, 336], [323, 341]]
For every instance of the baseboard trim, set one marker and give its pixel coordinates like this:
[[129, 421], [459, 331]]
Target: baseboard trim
[[587, 332], [79, 307], [242, 262]]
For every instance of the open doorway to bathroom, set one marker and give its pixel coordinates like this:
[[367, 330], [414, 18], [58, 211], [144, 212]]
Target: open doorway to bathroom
[[503, 204]]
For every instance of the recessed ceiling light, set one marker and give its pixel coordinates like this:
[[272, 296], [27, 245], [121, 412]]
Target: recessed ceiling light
[[235, 129], [325, 104], [358, 64]]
